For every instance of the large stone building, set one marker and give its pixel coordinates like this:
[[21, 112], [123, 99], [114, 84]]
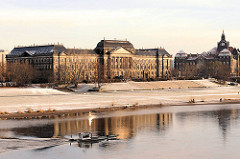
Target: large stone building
[[197, 64], [110, 59]]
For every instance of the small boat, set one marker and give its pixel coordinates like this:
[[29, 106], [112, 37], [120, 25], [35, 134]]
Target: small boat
[[112, 137], [89, 137], [86, 136]]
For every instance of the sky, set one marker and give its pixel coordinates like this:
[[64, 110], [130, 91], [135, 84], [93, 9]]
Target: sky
[[190, 25]]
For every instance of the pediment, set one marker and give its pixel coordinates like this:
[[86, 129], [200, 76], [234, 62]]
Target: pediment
[[120, 50]]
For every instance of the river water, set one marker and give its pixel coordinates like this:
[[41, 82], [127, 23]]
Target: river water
[[206, 131]]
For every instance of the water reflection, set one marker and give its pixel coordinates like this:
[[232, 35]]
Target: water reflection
[[223, 117], [125, 126], [46, 131], [209, 131]]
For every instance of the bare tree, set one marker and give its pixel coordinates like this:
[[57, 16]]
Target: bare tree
[[74, 72], [191, 71], [2, 73], [21, 73], [97, 74], [188, 72], [62, 74], [223, 72], [214, 69]]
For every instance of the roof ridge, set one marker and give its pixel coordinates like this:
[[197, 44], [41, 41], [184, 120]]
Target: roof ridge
[[35, 46]]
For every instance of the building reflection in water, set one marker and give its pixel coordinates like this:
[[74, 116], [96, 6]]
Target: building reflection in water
[[225, 118], [125, 126]]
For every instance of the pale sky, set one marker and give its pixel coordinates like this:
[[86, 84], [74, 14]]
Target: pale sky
[[192, 25]]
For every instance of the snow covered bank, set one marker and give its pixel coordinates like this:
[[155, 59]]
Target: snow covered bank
[[14, 99], [158, 85], [29, 91]]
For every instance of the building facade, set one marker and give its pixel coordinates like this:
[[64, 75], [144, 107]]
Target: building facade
[[110, 59], [223, 56], [3, 54], [3, 64], [121, 59]]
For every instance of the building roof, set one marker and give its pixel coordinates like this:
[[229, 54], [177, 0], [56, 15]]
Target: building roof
[[181, 54], [37, 50], [80, 51], [146, 53], [192, 57], [213, 51], [225, 52], [113, 44], [106, 45], [3, 52], [208, 57], [152, 52]]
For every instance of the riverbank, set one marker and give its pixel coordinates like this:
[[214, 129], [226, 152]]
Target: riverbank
[[50, 102], [52, 113]]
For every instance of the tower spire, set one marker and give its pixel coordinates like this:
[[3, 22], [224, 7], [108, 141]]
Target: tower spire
[[223, 36]]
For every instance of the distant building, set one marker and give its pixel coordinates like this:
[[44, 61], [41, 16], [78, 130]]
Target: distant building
[[3, 63], [121, 59], [223, 53], [110, 59], [3, 54]]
